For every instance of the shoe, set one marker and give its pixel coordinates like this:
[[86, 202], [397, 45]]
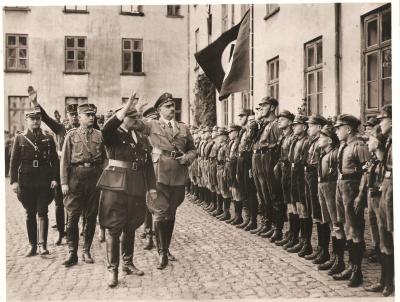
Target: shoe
[[297, 248], [292, 242], [43, 250], [322, 257], [389, 285], [170, 256], [162, 261], [306, 249], [284, 240], [250, 226], [113, 279], [356, 278], [276, 236], [314, 254], [261, 228], [344, 275], [32, 251], [149, 242], [60, 237], [327, 264], [87, 258], [267, 234], [72, 260], [130, 269], [237, 221]]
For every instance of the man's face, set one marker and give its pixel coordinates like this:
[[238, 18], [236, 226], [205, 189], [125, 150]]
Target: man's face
[[131, 122], [33, 122], [368, 130], [283, 122], [242, 120], [386, 125], [73, 118], [373, 144], [233, 135], [264, 110], [167, 110], [299, 128], [343, 132], [313, 129], [86, 119], [324, 141]]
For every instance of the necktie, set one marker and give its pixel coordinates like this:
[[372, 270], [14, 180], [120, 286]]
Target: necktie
[[170, 127], [340, 157]]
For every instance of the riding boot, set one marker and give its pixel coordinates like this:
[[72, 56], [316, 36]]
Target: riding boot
[[324, 243], [43, 232], [253, 217], [329, 263], [60, 222], [389, 285], [356, 278], [318, 249], [218, 210], [227, 206], [338, 265], [235, 206], [161, 240], [288, 234], [127, 251], [31, 227], [346, 274], [380, 285], [112, 248], [149, 241], [246, 218], [87, 241], [169, 231], [295, 233], [238, 210], [279, 221], [72, 242], [297, 248], [307, 247]]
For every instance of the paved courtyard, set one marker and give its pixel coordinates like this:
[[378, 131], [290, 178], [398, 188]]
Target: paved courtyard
[[215, 261]]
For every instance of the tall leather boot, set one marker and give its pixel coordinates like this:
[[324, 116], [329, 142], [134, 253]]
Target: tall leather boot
[[31, 227], [238, 213], [346, 274], [127, 251], [43, 231], [161, 239], [329, 263], [295, 233], [72, 242], [356, 277], [318, 249], [297, 248], [325, 236], [88, 239], [246, 218], [213, 204], [277, 235], [60, 221], [307, 247], [288, 234], [169, 231], [253, 217], [380, 285], [218, 210], [389, 285], [338, 266], [112, 248], [226, 210]]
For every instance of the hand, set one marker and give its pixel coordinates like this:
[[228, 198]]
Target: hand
[[65, 189], [182, 159], [15, 187], [32, 96], [153, 194], [53, 184], [133, 99]]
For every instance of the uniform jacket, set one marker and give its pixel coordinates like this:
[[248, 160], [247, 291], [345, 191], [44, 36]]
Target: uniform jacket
[[23, 155], [352, 156], [121, 146], [268, 136], [168, 170], [370, 180], [327, 167]]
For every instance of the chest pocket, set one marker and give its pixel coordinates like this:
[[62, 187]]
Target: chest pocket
[[95, 146], [77, 144], [44, 147]]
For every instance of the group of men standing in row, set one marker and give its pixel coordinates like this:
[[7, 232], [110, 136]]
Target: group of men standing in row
[[129, 167], [303, 170]]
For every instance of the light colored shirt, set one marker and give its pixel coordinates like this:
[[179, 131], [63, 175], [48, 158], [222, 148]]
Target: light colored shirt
[[168, 122]]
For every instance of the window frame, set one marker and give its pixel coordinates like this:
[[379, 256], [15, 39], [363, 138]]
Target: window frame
[[224, 17], [17, 8], [123, 51], [79, 100], [271, 9], [245, 100], [225, 112], [17, 48], [176, 13], [75, 70], [76, 10], [19, 110], [178, 112], [137, 13], [273, 82]]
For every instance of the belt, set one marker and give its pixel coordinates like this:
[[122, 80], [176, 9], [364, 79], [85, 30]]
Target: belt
[[35, 163], [85, 165], [293, 165], [285, 163], [350, 176], [124, 164], [173, 154], [242, 153], [220, 162], [310, 169], [326, 179]]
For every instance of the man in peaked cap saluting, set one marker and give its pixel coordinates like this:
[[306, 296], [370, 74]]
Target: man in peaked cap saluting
[[173, 151]]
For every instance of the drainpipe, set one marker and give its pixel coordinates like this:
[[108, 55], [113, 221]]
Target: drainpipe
[[338, 56], [188, 56]]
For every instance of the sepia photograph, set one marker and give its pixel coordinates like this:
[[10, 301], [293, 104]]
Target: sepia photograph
[[198, 151]]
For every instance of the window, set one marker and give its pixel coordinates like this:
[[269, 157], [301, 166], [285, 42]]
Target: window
[[313, 76], [178, 109], [271, 9], [377, 63], [17, 105], [196, 44], [245, 100], [132, 56], [224, 17], [134, 10], [273, 78], [76, 9], [225, 114], [174, 11], [74, 100], [75, 54], [17, 52]]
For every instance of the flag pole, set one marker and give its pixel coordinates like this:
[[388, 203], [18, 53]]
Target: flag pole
[[252, 56]]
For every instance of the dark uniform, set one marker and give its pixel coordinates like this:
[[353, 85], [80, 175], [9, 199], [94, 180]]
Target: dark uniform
[[82, 158], [210, 169], [34, 165], [124, 183]]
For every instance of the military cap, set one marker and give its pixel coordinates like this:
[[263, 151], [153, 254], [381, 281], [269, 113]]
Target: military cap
[[376, 132], [150, 112], [268, 100], [222, 131], [165, 97], [329, 131], [72, 108], [300, 119], [93, 106], [86, 108], [286, 114], [318, 120], [246, 112], [371, 122], [234, 127], [386, 111], [347, 119], [35, 112]]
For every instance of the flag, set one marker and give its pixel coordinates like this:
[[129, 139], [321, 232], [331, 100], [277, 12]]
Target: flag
[[237, 78]]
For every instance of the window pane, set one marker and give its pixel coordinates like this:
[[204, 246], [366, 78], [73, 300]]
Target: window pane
[[11, 63], [81, 42], [372, 94], [372, 66], [271, 91], [126, 8], [310, 56], [23, 64], [319, 81], [22, 53], [310, 83], [127, 61], [169, 10], [372, 32], [22, 41], [70, 42], [81, 55], [139, 8], [137, 62], [137, 45], [69, 65], [387, 63], [272, 71], [319, 52], [11, 40], [127, 44], [387, 91], [12, 53], [312, 104], [320, 104], [386, 26], [81, 65], [71, 55], [277, 91], [277, 69]]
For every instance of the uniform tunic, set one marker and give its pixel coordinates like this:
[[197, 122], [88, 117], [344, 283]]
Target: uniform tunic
[[311, 178]]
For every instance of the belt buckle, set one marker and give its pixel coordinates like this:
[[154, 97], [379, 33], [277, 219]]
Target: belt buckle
[[134, 166], [173, 154], [87, 165], [35, 163]]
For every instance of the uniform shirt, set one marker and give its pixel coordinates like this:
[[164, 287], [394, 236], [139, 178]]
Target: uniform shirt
[[313, 152], [370, 181], [284, 144], [298, 149], [81, 146], [327, 169], [221, 153], [214, 150], [352, 156], [388, 155], [244, 140], [268, 136], [233, 148]]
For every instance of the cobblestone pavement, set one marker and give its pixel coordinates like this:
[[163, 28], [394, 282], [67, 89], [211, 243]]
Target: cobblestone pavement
[[215, 261]]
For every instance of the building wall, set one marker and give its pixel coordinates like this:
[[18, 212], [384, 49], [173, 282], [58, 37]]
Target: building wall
[[165, 55]]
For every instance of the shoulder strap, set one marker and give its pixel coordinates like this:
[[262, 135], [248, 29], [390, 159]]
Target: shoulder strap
[[29, 141]]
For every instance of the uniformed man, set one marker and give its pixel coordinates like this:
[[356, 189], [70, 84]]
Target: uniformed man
[[173, 151], [211, 151], [34, 172], [231, 171], [321, 252], [297, 158], [82, 158], [124, 183], [327, 182], [59, 130], [352, 156], [368, 126], [193, 169], [208, 171], [282, 172]]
